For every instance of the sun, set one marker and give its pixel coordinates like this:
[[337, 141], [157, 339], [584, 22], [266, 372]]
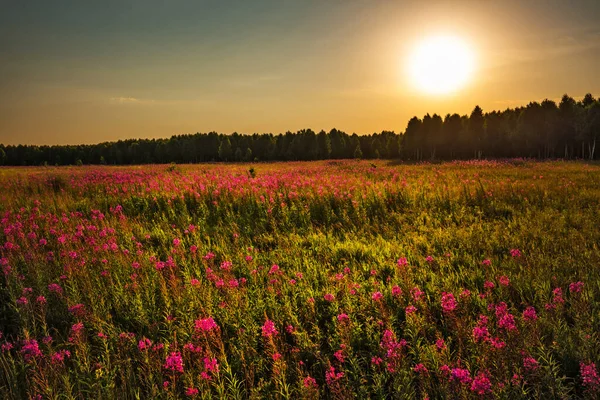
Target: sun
[[441, 65]]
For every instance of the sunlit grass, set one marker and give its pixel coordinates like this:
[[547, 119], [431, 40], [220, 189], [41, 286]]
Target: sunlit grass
[[325, 279]]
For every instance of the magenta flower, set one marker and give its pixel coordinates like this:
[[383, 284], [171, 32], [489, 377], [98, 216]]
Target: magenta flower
[[576, 287], [461, 375], [329, 297], [268, 329], [55, 287], [402, 262], [507, 322], [530, 363], [59, 357], [416, 293], [480, 333], [449, 303], [589, 376], [211, 364], [420, 369], [410, 309], [339, 355], [497, 343], [396, 291], [515, 253], [30, 350], [504, 281], [331, 376], [191, 392], [343, 318], [481, 385], [440, 344], [557, 296], [144, 344], [274, 269], [174, 362], [310, 382], [529, 314], [377, 296]]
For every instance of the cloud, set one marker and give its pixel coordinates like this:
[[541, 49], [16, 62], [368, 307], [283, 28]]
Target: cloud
[[125, 100], [558, 47]]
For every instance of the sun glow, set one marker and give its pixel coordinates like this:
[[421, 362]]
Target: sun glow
[[441, 65]]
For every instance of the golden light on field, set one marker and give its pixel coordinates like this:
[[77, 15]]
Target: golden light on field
[[441, 65]]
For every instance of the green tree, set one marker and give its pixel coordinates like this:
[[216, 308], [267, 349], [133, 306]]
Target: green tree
[[225, 150], [358, 152], [476, 131]]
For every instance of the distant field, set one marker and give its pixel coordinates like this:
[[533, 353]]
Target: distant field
[[301, 280]]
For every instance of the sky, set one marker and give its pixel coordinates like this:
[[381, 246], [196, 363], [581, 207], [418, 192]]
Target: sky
[[78, 71]]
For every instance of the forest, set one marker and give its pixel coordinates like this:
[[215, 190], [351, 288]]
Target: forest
[[546, 130]]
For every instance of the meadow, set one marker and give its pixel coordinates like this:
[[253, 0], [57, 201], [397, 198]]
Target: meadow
[[338, 279]]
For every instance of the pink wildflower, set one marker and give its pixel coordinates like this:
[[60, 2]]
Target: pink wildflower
[[529, 314], [589, 376], [489, 285], [339, 355], [416, 293], [274, 269], [530, 363], [576, 287], [31, 350], [211, 364], [481, 385], [461, 375], [449, 303], [268, 329], [174, 362], [310, 382], [377, 296], [144, 344], [331, 376], [420, 369], [440, 344], [402, 262], [343, 318]]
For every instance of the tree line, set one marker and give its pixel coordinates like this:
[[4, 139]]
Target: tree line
[[569, 129]]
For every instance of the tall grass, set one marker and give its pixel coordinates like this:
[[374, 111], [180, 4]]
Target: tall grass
[[325, 279]]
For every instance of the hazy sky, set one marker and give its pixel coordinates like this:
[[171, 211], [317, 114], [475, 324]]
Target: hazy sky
[[89, 71]]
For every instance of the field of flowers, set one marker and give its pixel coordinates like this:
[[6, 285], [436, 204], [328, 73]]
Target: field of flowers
[[308, 280]]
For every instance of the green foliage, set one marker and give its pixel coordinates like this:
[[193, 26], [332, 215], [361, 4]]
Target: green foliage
[[318, 249], [546, 130]]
